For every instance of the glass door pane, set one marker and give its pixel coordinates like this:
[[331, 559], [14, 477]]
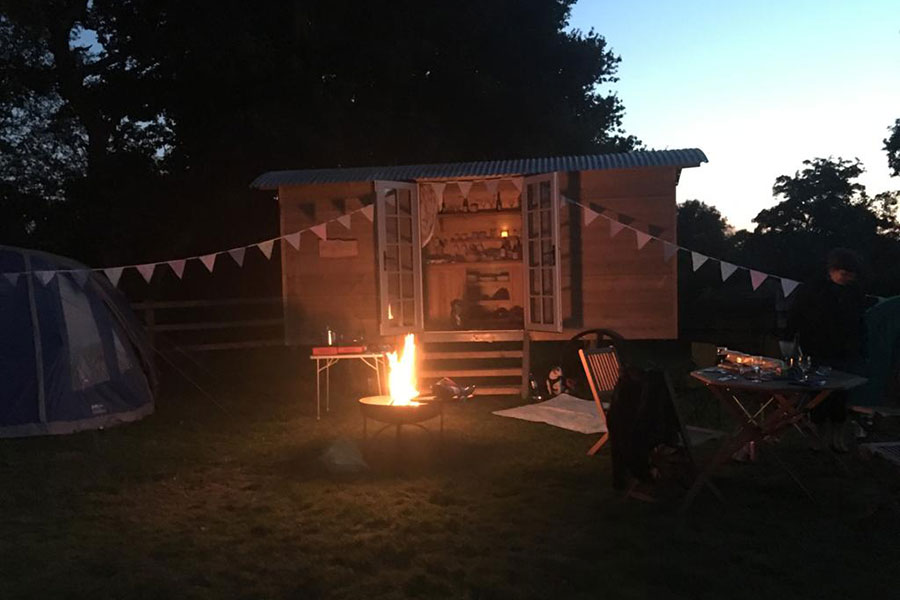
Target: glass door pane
[[399, 257], [540, 209]]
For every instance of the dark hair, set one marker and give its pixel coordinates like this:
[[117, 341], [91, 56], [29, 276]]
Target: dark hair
[[846, 260]]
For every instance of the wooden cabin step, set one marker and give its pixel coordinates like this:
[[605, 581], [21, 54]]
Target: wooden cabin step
[[498, 372], [464, 354], [498, 390]]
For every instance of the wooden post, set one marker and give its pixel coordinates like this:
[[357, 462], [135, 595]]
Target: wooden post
[[526, 364]]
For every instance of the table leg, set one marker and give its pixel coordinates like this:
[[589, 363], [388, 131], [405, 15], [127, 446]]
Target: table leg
[[328, 385], [318, 392]]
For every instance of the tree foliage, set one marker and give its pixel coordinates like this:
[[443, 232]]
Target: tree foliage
[[132, 128], [892, 147], [702, 227]]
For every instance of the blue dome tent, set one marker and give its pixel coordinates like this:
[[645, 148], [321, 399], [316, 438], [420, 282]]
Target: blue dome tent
[[72, 354]]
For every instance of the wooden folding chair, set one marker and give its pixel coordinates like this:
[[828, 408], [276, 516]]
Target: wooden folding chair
[[602, 366]]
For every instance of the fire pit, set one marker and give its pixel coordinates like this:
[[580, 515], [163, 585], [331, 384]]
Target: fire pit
[[403, 406], [382, 409]]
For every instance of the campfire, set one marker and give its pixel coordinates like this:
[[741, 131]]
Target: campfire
[[402, 375], [403, 405]]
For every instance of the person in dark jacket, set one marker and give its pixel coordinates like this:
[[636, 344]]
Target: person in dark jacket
[[827, 321]]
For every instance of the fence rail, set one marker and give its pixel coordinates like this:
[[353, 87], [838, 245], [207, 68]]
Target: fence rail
[[220, 324]]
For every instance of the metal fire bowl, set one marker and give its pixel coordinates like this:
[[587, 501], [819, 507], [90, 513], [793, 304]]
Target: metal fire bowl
[[379, 408]]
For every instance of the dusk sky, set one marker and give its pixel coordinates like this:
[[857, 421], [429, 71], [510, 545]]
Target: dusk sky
[[758, 86]]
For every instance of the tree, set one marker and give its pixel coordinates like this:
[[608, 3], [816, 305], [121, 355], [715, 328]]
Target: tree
[[166, 119], [702, 228], [892, 147], [823, 207]]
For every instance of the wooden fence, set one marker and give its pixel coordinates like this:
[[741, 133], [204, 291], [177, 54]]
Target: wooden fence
[[222, 324]]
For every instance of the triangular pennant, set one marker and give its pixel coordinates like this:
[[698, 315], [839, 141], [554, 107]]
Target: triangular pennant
[[615, 227], [12, 278], [208, 261], [80, 277], [113, 274], [177, 267], [266, 248], [697, 260], [464, 187], [727, 269], [238, 255], [320, 230], [756, 278], [642, 238], [491, 186], [655, 230], [45, 277], [788, 286], [293, 239], [368, 211], [146, 271], [344, 220], [589, 216], [669, 250]]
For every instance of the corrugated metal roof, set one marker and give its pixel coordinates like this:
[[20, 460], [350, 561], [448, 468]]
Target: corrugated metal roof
[[689, 157]]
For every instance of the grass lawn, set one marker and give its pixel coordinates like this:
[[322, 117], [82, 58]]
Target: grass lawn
[[227, 499]]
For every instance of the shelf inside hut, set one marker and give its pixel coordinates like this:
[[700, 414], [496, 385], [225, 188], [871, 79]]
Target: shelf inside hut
[[472, 265]]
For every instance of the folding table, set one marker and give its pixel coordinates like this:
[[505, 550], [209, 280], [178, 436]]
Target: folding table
[[374, 360], [764, 408]]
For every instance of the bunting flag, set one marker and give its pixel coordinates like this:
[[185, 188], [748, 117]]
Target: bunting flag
[[146, 271], [669, 250], [491, 185], [368, 210], [642, 238], [266, 248], [177, 267], [615, 227], [344, 220], [464, 188], [113, 274], [788, 286], [45, 277], [320, 230], [697, 260], [12, 278], [208, 261], [80, 276], [238, 255], [293, 239], [437, 188], [728, 269], [589, 216], [756, 278]]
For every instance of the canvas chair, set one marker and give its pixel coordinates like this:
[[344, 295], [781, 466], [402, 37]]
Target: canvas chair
[[602, 366]]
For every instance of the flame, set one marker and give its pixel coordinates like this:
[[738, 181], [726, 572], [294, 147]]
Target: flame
[[402, 376]]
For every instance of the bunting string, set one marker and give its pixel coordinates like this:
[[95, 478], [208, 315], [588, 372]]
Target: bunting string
[[618, 222], [147, 270]]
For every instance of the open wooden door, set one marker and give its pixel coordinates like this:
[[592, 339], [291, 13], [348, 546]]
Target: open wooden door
[[540, 218], [399, 257]]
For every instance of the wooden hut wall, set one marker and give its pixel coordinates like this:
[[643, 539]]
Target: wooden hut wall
[[329, 283], [634, 292]]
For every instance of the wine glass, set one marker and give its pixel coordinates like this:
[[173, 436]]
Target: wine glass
[[806, 366]]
